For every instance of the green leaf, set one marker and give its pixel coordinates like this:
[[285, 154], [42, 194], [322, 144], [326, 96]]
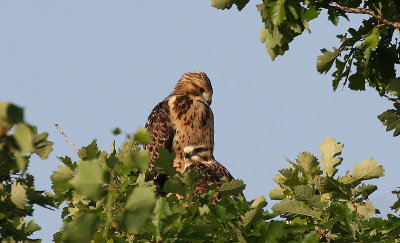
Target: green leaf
[[116, 131], [60, 178], [306, 194], [43, 147], [227, 4], [278, 12], [273, 231], [391, 119], [292, 207], [368, 169], [311, 237], [18, 195], [20, 160], [346, 217], [31, 227], [142, 136], [394, 87], [329, 160], [23, 135], [10, 114], [326, 60], [163, 164], [276, 193], [365, 190], [90, 152], [233, 187], [204, 210], [250, 216], [365, 209], [333, 17], [81, 229], [370, 43], [259, 202], [88, 179], [308, 164], [138, 160], [311, 13], [357, 81], [138, 208]]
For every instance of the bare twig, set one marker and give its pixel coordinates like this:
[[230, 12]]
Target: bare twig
[[69, 141], [396, 192], [394, 24]]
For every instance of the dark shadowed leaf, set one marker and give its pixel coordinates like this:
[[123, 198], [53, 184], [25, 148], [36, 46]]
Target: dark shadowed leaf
[[233, 187], [81, 229], [326, 60], [90, 152], [293, 207]]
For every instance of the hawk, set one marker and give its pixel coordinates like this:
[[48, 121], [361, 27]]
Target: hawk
[[182, 118], [199, 157]]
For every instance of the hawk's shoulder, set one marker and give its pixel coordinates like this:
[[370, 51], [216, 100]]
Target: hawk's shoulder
[[161, 129]]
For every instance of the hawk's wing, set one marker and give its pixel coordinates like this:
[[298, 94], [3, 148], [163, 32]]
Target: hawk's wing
[[160, 127]]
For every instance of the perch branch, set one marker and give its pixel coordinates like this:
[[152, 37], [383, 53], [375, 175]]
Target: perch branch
[[69, 141]]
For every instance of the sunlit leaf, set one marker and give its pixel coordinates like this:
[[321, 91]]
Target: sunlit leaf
[[18, 195], [278, 12], [23, 135], [368, 169], [142, 136], [329, 160]]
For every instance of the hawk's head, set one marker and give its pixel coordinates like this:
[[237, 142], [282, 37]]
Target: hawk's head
[[197, 153], [196, 85]]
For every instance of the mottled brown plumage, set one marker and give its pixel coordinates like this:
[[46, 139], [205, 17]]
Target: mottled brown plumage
[[182, 118], [199, 157]]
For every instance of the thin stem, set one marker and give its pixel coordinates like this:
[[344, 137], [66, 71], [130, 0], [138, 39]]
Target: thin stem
[[109, 204]]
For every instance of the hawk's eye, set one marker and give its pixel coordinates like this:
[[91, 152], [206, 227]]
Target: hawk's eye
[[198, 150], [201, 90]]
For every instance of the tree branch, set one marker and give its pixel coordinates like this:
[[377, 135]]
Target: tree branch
[[392, 99], [69, 141], [394, 24]]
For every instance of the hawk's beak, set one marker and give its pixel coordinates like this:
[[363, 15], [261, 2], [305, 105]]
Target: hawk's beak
[[207, 98], [187, 154]]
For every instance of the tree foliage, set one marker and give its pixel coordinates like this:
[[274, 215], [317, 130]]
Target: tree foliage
[[112, 196], [367, 55], [18, 142]]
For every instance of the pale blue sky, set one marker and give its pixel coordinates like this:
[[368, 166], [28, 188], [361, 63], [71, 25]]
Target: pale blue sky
[[94, 65]]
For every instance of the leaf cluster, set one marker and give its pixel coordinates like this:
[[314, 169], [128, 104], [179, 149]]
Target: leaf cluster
[[316, 202], [115, 196], [18, 141], [367, 55]]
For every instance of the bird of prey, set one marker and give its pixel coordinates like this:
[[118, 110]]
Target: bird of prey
[[182, 118], [199, 157]]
